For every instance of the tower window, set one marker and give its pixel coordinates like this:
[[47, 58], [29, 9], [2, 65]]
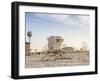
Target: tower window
[[51, 48], [57, 40]]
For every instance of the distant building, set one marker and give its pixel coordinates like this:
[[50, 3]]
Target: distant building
[[27, 48], [68, 49], [54, 42]]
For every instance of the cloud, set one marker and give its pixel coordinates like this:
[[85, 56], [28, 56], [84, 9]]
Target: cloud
[[70, 20], [79, 21]]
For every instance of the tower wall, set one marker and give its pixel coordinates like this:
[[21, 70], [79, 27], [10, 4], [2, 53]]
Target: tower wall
[[54, 42], [27, 48]]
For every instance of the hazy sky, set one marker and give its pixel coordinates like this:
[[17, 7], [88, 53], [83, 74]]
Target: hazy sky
[[74, 29]]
